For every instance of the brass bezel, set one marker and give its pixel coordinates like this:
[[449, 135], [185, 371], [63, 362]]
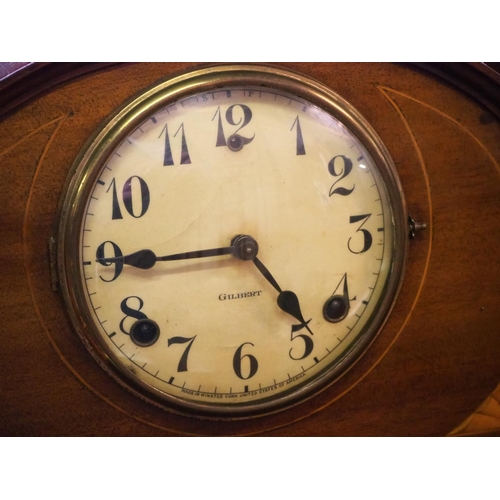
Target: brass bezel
[[104, 141]]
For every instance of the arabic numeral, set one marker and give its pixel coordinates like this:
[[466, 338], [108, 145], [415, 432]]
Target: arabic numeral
[[300, 149], [131, 312], [168, 158], [100, 255], [340, 166], [182, 366], [135, 198], [250, 362], [367, 237], [233, 116]]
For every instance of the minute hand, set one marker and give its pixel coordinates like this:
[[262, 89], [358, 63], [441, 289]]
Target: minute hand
[[146, 259], [287, 300]]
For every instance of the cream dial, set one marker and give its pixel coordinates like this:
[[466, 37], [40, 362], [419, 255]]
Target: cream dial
[[237, 246]]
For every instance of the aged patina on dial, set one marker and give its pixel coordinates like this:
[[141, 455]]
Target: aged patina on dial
[[231, 241]]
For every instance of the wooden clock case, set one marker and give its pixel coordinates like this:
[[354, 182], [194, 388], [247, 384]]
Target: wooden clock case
[[435, 367]]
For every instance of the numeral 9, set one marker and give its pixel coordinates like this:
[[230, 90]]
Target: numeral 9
[[101, 254]]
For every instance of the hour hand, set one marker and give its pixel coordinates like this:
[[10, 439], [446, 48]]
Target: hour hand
[[287, 300]]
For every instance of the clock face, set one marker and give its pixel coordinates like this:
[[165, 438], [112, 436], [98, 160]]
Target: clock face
[[231, 242]]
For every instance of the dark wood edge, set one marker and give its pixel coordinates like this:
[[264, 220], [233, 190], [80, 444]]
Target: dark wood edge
[[10, 71], [481, 81], [22, 82]]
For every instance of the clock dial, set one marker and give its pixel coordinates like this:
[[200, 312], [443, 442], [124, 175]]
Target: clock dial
[[232, 246]]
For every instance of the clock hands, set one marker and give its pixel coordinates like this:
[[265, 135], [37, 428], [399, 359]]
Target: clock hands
[[243, 247], [287, 300], [146, 259]]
